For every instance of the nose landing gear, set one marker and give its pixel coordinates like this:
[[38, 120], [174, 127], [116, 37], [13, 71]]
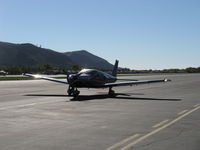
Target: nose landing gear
[[73, 92]]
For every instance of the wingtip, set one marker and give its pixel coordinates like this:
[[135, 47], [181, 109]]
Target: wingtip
[[167, 80]]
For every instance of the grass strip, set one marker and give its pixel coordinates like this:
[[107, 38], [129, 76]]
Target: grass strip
[[15, 78]]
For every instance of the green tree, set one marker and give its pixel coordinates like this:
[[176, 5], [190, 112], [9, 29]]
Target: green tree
[[76, 67]]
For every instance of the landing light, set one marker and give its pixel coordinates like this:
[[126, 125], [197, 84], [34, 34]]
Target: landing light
[[166, 80]]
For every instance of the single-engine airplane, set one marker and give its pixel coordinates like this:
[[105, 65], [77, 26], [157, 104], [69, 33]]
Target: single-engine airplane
[[3, 73], [91, 78]]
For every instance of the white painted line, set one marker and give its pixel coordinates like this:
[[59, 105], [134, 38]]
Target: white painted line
[[127, 147], [122, 142], [25, 105], [182, 112], [160, 124], [196, 105]]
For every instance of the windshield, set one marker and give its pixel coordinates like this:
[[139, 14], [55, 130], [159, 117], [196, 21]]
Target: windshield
[[88, 71]]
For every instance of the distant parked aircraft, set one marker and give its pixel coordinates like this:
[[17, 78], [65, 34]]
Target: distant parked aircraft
[[3, 73], [91, 78]]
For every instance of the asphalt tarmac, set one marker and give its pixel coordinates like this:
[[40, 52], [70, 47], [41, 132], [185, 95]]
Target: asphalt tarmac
[[37, 115]]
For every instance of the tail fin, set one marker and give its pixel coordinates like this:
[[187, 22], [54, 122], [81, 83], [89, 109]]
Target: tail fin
[[114, 72]]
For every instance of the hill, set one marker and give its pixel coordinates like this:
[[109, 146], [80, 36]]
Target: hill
[[30, 55], [87, 59]]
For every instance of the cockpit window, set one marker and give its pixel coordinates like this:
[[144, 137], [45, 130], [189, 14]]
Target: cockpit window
[[96, 74], [88, 71], [83, 71], [106, 75]]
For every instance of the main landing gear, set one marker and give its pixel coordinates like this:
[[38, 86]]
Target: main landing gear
[[111, 92], [73, 92]]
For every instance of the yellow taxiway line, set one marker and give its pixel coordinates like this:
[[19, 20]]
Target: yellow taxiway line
[[142, 138], [123, 142], [182, 112], [161, 123]]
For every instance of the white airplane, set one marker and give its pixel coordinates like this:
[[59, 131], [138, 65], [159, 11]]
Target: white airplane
[[3, 73]]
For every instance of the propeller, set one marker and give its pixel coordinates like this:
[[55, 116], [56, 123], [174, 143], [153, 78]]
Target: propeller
[[70, 77], [67, 73]]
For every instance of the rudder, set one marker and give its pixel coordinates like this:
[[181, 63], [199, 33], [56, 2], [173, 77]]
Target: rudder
[[115, 68]]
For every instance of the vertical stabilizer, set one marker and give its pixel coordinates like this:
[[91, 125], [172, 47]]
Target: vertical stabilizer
[[115, 68]]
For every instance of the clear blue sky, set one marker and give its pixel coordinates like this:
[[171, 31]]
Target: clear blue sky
[[142, 34]]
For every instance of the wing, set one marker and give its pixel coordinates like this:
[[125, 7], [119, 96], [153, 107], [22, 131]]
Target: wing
[[127, 79], [134, 82], [46, 78]]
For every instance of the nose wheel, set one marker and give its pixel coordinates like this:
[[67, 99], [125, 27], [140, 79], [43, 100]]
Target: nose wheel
[[70, 90]]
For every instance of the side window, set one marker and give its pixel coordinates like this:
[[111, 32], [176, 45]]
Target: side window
[[99, 76], [93, 73]]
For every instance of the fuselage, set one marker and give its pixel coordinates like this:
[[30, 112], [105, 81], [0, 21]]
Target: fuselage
[[90, 78]]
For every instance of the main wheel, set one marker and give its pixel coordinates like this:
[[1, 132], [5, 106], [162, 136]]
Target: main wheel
[[111, 93], [70, 91], [76, 93]]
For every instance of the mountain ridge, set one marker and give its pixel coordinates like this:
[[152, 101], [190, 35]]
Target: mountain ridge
[[88, 59], [27, 54]]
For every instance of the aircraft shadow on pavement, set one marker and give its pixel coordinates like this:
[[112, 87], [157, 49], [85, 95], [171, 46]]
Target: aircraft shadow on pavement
[[122, 96], [118, 96], [47, 95]]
